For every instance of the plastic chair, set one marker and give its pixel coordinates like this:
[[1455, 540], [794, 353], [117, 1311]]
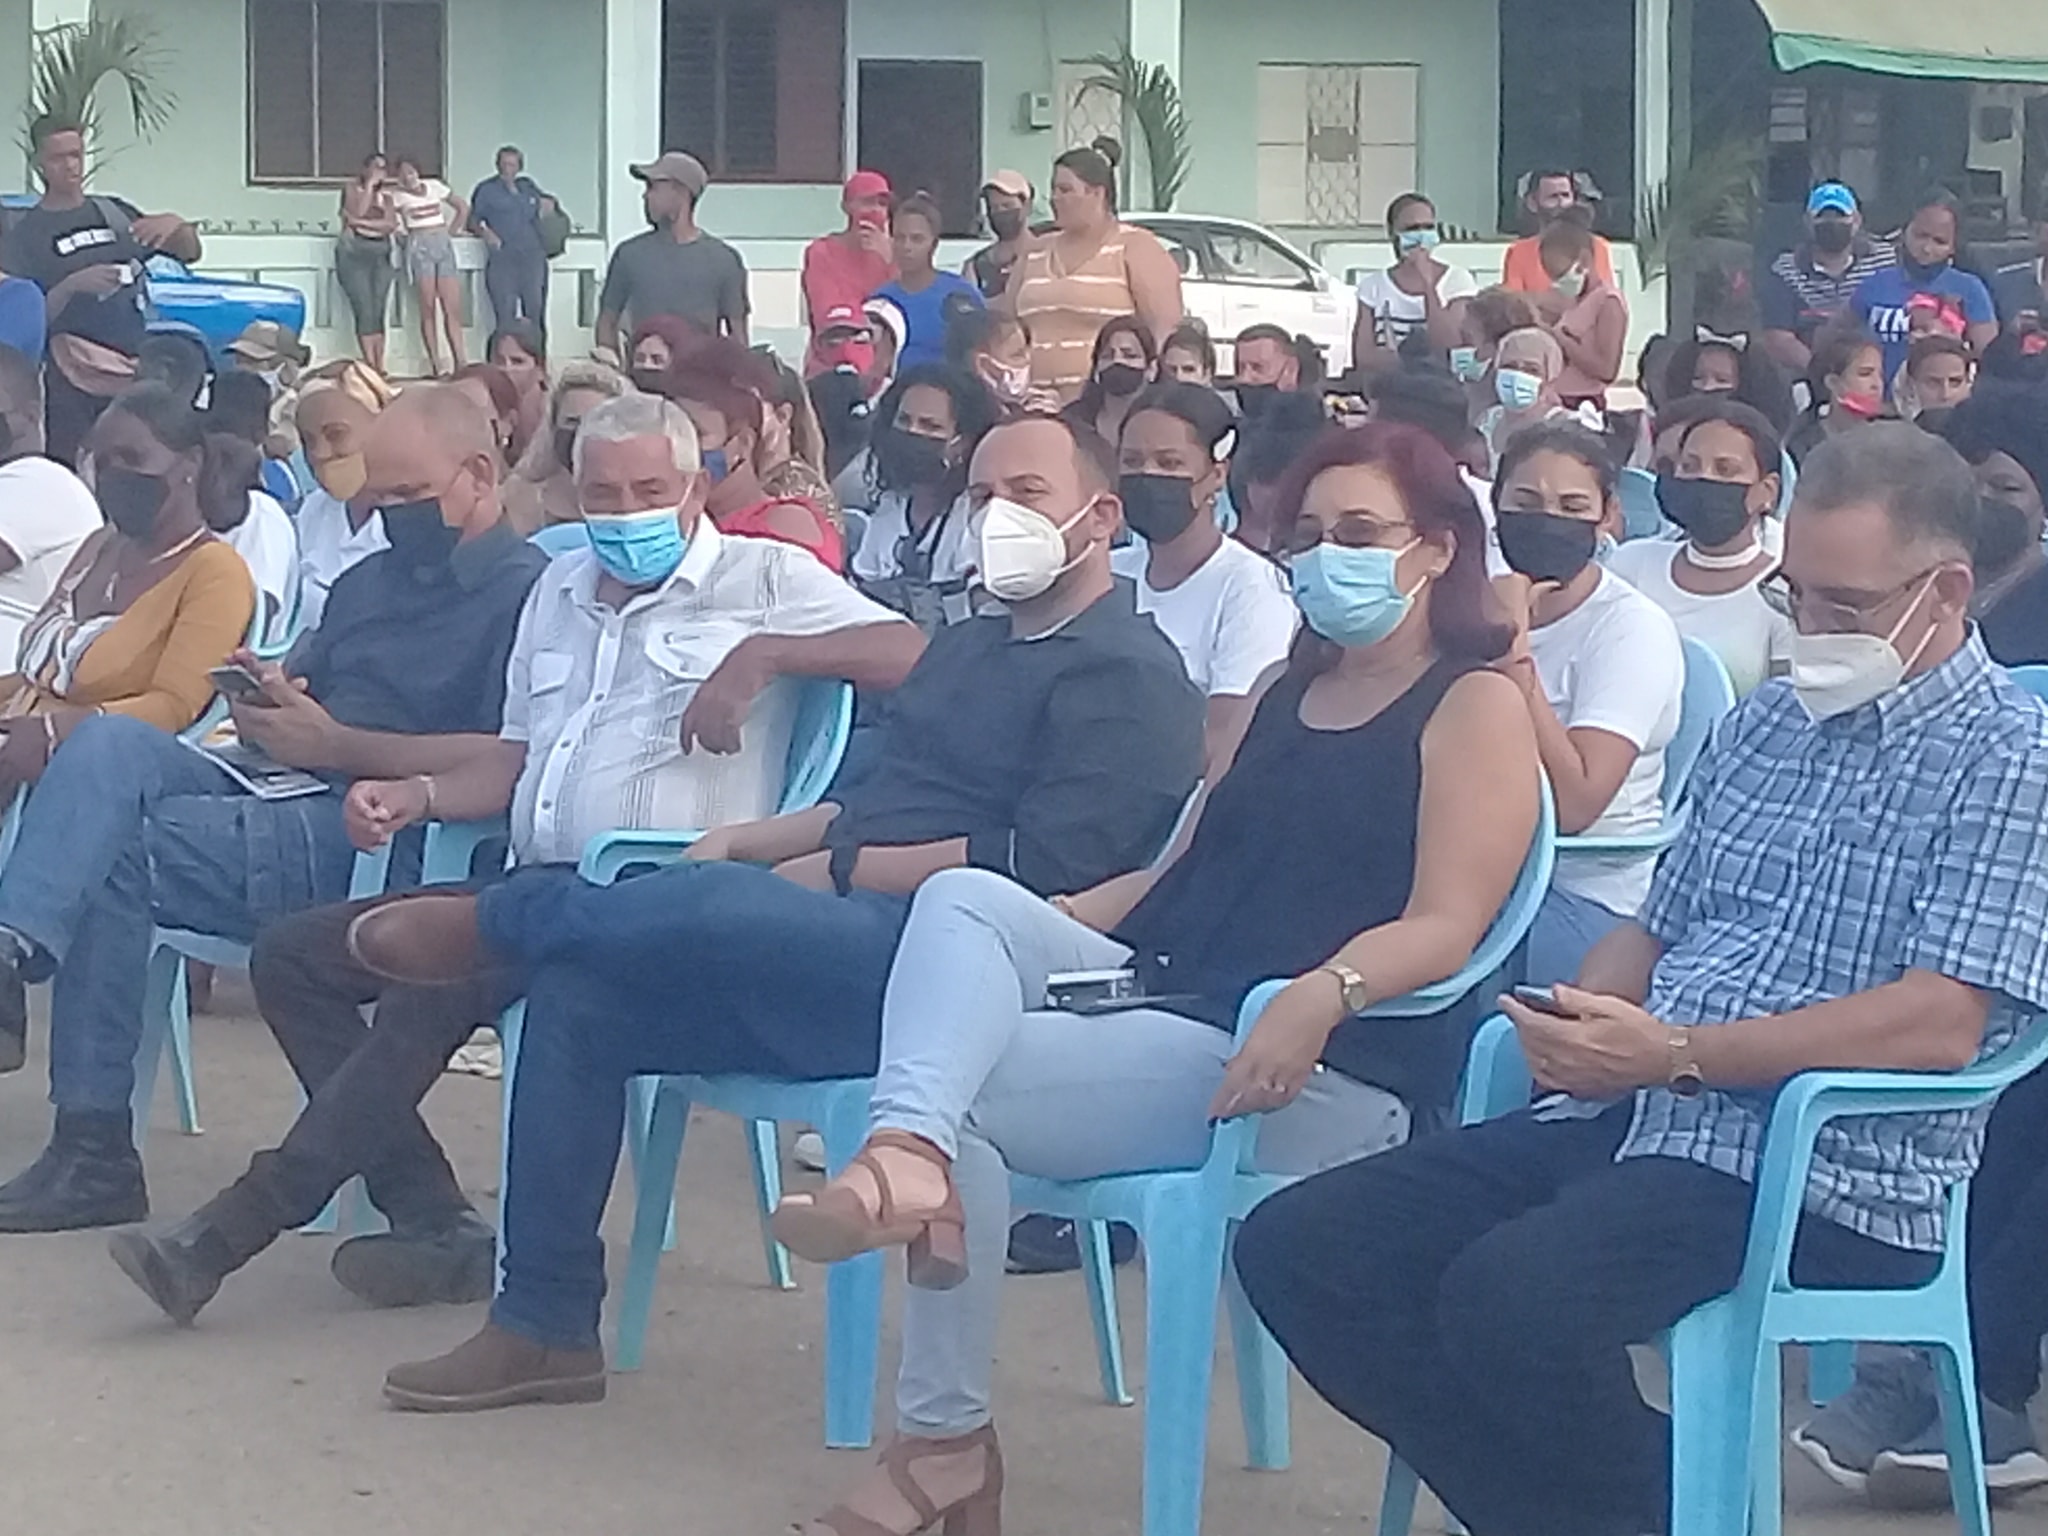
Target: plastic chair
[[1707, 697], [1726, 1386], [856, 522], [1642, 517], [560, 539]]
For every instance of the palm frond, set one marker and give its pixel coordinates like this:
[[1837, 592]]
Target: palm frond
[[72, 60], [1152, 99], [1714, 194]]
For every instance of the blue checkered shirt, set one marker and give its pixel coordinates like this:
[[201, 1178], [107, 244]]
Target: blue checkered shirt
[[1827, 859]]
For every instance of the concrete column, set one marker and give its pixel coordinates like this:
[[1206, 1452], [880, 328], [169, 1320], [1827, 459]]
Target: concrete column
[[1653, 147], [1154, 27], [16, 17], [632, 109]]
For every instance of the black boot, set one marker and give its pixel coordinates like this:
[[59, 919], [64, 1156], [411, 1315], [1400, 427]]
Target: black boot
[[178, 1267], [456, 1261], [88, 1176]]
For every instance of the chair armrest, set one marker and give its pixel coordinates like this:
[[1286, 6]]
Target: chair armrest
[[1647, 842], [447, 856], [1497, 1080], [608, 853]]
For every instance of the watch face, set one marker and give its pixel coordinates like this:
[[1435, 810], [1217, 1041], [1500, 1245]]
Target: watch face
[[1688, 1085]]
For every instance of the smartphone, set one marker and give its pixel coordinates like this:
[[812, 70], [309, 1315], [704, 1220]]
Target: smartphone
[[1542, 999], [237, 682], [1080, 991]]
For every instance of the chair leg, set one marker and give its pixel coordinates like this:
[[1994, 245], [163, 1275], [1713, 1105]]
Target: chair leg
[[1830, 1369], [653, 1204], [1183, 1239], [853, 1303], [765, 1151], [1261, 1380], [1962, 1434], [1714, 1371], [1397, 1498], [510, 1024], [1098, 1272], [181, 1053], [163, 992], [639, 1114], [1766, 1459]]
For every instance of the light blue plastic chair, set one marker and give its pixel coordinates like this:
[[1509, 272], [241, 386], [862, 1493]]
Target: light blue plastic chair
[[560, 539], [1707, 697], [856, 522], [1726, 1387], [1641, 515]]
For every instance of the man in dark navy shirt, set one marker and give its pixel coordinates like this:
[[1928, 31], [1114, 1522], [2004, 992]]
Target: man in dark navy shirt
[[1804, 288], [129, 827], [1054, 743], [506, 210]]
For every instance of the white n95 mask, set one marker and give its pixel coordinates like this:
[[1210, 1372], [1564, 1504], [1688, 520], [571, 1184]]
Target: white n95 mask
[[1023, 552]]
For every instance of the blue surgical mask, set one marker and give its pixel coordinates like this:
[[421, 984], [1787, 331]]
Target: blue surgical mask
[[1415, 239], [1517, 390], [1466, 366], [716, 465], [1352, 596], [642, 549]]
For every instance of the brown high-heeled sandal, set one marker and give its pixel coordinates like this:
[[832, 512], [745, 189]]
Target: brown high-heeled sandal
[[836, 1223], [977, 1513]]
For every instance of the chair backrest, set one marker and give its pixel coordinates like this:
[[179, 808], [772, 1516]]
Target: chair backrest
[[1707, 697], [2032, 677], [560, 539], [856, 531], [1641, 515], [1509, 928], [817, 742]]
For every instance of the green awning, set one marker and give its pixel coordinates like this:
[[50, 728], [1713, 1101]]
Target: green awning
[[1969, 39]]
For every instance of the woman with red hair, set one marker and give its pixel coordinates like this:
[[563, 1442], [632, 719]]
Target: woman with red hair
[[1368, 831]]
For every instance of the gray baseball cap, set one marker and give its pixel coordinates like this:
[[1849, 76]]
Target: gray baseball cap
[[686, 171]]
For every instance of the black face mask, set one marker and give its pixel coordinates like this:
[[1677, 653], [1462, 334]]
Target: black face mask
[[133, 502], [1252, 399], [418, 536], [648, 380], [1157, 507], [565, 444], [1712, 511], [1006, 223], [2003, 535], [1120, 379], [907, 460], [1546, 546], [1832, 236], [1922, 271]]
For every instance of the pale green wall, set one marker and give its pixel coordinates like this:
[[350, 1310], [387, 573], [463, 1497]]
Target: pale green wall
[[15, 17]]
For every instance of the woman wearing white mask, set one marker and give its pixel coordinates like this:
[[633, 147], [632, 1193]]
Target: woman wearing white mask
[[1362, 842], [1602, 669], [1417, 296], [1719, 491]]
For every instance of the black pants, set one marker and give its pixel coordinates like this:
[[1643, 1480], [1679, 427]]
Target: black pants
[[1468, 1298], [2009, 1244], [518, 285], [363, 1082]]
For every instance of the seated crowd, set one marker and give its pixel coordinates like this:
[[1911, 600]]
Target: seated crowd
[[1158, 671]]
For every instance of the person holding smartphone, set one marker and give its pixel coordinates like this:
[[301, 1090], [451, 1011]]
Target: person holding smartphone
[[841, 269]]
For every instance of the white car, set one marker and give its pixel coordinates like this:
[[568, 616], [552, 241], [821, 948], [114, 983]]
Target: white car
[[1235, 274]]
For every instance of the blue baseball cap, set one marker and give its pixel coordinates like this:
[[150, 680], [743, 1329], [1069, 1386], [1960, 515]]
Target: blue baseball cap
[[1831, 197]]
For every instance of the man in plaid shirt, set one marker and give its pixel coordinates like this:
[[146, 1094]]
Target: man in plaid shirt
[[1863, 883]]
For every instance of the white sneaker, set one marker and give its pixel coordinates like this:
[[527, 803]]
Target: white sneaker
[[809, 1152]]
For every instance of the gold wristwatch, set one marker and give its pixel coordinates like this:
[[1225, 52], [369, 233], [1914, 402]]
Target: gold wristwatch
[[1686, 1079], [1357, 996]]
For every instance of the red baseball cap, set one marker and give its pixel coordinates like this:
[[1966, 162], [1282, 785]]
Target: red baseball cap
[[842, 317], [864, 184]]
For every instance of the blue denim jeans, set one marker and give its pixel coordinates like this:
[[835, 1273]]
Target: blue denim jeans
[[696, 968], [1567, 927], [131, 829]]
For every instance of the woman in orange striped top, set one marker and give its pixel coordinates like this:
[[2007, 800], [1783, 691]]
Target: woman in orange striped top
[[1091, 269]]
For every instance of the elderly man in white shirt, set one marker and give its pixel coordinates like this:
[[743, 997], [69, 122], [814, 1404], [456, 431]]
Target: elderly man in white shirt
[[45, 510], [652, 684]]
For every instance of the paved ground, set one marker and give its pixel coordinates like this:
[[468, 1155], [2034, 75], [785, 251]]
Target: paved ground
[[267, 1417]]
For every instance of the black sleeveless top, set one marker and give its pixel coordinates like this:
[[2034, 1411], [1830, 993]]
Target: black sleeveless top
[[1305, 843]]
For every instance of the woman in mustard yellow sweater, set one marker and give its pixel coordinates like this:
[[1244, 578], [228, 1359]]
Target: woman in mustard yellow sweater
[[153, 601]]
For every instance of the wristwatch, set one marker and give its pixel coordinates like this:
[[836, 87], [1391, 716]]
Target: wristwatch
[[1357, 996], [1686, 1079]]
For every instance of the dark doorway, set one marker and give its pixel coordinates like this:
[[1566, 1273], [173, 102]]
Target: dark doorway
[[920, 125]]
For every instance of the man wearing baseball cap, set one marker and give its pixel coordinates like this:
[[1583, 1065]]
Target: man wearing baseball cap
[[1810, 284], [1006, 204], [675, 268], [841, 269]]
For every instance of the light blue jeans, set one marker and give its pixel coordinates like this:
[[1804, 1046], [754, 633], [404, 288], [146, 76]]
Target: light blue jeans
[[971, 1063], [1567, 927]]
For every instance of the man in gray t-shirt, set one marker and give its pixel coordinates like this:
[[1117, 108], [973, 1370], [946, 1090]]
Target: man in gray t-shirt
[[675, 268]]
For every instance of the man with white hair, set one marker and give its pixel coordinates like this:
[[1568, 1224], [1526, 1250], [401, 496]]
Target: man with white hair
[[651, 685]]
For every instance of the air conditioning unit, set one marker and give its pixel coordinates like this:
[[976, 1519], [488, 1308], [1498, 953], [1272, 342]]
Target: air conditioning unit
[[1035, 111]]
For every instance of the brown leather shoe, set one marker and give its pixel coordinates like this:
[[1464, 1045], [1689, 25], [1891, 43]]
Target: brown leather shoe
[[428, 940], [497, 1369]]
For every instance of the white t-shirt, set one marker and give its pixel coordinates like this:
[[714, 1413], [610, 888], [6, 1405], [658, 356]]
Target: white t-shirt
[[1399, 312], [1751, 637], [1615, 664], [947, 542], [327, 547], [45, 514], [421, 211], [270, 549], [1230, 620]]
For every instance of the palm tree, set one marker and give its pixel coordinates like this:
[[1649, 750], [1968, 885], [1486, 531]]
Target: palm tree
[[73, 58], [1152, 101]]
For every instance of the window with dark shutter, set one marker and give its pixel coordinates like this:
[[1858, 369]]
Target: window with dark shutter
[[756, 89], [330, 81]]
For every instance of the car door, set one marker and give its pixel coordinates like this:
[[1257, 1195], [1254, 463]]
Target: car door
[[1267, 284]]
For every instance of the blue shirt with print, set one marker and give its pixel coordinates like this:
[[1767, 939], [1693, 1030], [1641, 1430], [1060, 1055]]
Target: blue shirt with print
[[1881, 304], [927, 312]]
